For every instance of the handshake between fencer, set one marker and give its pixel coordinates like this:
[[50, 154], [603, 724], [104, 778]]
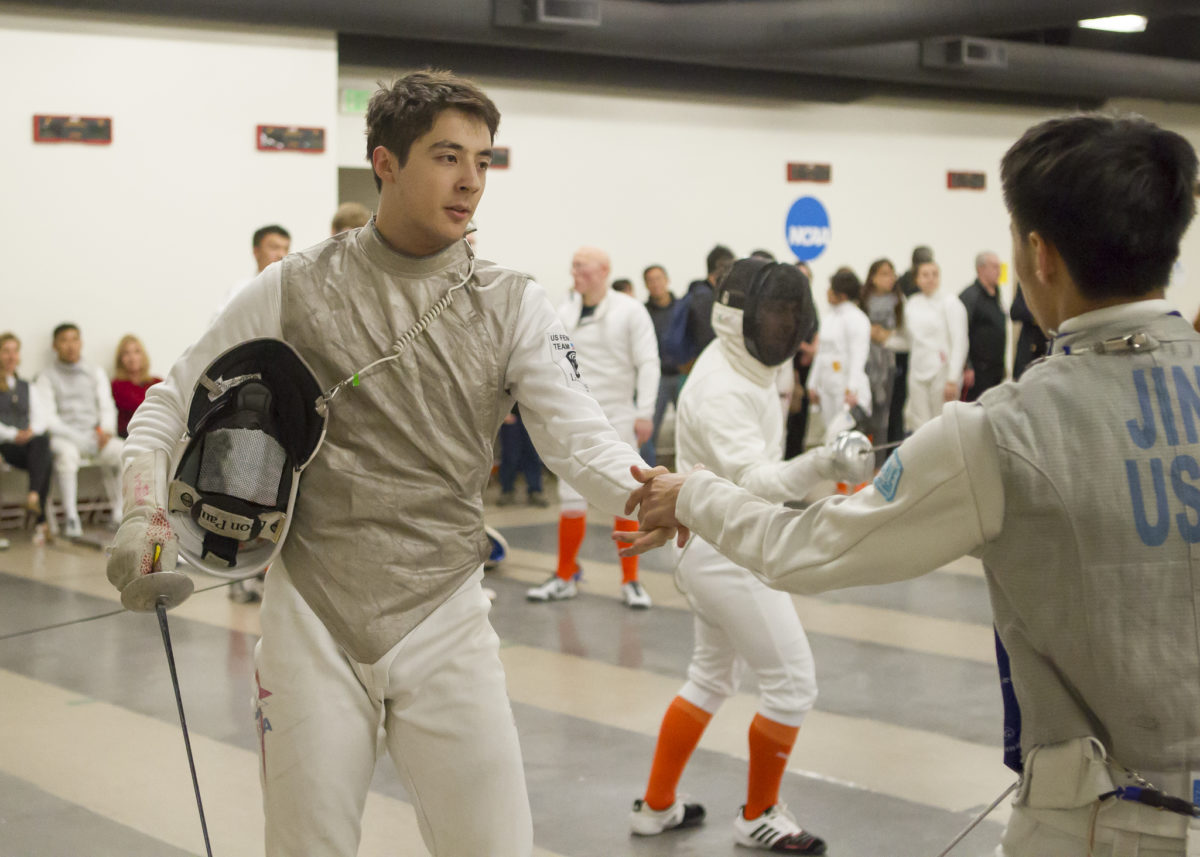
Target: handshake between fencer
[[848, 458]]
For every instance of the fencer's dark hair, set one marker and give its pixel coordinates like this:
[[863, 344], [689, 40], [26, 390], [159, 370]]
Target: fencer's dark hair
[[921, 254], [1113, 194], [646, 271], [763, 254], [718, 257], [401, 112], [63, 328], [623, 285], [846, 283], [273, 229]]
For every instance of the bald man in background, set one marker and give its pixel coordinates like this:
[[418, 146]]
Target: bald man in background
[[987, 328], [616, 353]]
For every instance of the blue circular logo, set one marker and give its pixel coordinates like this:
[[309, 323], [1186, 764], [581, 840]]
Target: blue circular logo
[[807, 228]]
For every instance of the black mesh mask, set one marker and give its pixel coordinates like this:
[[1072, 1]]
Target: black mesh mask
[[776, 304]]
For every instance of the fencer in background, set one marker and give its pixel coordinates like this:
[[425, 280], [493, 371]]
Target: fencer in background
[[729, 422], [838, 383], [937, 330], [617, 355], [1076, 487], [375, 618]]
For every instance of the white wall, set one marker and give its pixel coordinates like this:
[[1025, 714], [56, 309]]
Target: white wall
[[148, 234], [661, 178]]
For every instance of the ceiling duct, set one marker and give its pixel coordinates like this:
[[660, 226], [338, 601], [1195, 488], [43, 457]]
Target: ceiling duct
[[964, 53], [546, 14]]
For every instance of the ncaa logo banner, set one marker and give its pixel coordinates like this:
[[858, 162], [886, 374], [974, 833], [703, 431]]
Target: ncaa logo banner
[[807, 228]]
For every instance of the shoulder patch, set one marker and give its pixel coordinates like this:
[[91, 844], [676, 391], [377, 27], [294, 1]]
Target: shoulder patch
[[562, 352], [888, 479]]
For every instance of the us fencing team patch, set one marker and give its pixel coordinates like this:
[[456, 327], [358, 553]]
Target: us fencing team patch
[[888, 479], [562, 352]]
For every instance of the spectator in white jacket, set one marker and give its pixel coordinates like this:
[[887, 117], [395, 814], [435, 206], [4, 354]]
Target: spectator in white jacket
[[838, 383], [83, 424], [937, 327], [616, 350]]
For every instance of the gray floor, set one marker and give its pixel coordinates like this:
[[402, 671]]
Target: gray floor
[[582, 769]]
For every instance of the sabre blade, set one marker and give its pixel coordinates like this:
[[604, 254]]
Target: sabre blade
[[160, 608]]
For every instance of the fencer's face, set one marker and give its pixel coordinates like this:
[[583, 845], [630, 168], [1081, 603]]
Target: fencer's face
[[271, 249], [928, 277], [589, 273], [68, 346], [10, 357], [1025, 267], [431, 199]]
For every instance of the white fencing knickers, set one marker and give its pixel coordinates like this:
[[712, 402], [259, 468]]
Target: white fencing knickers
[[440, 696], [739, 619]]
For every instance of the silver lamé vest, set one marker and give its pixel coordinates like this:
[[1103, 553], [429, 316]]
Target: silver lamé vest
[[1095, 579], [389, 519]]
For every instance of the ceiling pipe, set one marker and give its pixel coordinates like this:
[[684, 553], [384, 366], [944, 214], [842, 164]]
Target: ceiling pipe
[[822, 37]]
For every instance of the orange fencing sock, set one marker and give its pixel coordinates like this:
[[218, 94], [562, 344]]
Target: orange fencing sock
[[629, 564], [770, 746], [571, 529], [682, 726]]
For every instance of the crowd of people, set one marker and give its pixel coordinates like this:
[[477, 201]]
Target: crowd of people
[[71, 415], [375, 628]]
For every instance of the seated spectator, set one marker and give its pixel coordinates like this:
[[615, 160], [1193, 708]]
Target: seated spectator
[[838, 383], [131, 379], [83, 422], [349, 215], [24, 441]]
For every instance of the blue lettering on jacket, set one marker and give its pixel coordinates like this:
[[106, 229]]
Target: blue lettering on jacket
[[1152, 535], [1188, 494]]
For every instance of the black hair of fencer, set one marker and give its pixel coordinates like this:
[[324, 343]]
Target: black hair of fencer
[[273, 229], [1112, 194]]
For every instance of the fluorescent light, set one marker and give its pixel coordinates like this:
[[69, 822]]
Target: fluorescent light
[[1116, 24]]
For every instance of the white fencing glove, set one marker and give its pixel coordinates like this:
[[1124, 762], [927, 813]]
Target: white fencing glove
[[144, 544]]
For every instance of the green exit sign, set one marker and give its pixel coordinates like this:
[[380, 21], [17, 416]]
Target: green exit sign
[[355, 100]]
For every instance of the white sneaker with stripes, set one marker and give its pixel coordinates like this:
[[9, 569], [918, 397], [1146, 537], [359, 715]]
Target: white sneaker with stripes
[[775, 830]]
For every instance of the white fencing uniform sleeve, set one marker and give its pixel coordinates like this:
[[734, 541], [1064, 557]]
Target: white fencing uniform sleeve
[[160, 422], [646, 364], [105, 405], [53, 421], [565, 423], [939, 497]]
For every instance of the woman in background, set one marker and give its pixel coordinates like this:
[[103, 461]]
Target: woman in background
[[884, 305], [24, 440], [131, 379]]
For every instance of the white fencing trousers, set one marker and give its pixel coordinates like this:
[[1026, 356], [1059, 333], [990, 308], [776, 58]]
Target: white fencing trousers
[[925, 400], [440, 697], [67, 460], [739, 620]]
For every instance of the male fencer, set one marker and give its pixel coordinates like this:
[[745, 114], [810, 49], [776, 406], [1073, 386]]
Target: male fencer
[[375, 618], [729, 418], [1077, 487]]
